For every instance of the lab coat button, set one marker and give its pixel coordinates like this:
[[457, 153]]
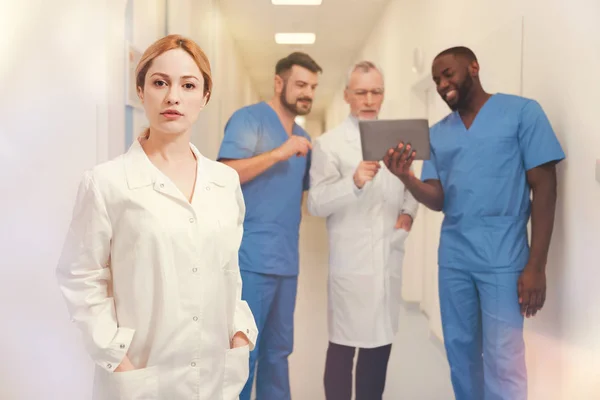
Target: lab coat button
[[109, 366], [122, 346], [191, 220], [194, 270], [208, 188], [195, 318], [247, 330], [162, 185], [193, 364]]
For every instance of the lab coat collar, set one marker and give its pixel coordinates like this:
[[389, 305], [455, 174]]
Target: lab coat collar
[[140, 171]]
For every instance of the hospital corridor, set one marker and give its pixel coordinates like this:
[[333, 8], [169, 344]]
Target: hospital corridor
[[300, 199]]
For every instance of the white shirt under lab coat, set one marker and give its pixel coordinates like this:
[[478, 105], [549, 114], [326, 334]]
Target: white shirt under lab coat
[[365, 250], [147, 274]]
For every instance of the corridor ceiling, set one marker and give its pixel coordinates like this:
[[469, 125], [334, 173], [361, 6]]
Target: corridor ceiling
[[341, 27]]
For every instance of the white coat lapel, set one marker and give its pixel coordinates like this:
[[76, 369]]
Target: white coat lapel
[[352, 134]]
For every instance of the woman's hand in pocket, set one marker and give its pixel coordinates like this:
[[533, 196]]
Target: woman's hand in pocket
[[239, 340], [125, 365]]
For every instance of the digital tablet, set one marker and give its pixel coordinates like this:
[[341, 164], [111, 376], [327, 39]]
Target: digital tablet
[[378, 136]]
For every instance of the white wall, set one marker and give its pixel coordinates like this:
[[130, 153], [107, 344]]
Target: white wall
[[559, 60], [52, 121], [232, 88], [62, 75], [314, 126]]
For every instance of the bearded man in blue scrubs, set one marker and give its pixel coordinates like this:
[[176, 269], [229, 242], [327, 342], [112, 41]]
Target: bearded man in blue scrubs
[[487, 157], [271, 154]]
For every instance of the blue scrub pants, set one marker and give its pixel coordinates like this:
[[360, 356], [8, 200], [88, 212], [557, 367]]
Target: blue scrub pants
[[483, 334], [272, 300]]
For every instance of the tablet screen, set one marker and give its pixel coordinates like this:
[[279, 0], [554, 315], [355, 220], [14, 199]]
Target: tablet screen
[[378, 136]]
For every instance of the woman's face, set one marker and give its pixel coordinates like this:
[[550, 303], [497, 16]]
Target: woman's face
[[173, 93]]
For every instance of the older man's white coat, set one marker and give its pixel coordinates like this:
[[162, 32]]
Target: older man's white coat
[[365, 250]]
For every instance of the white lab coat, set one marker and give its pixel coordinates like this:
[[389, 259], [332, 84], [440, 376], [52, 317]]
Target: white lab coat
[[147, 274], [365, 251]]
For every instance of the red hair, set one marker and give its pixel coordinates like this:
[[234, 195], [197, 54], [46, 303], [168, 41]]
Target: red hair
[[172, 42]]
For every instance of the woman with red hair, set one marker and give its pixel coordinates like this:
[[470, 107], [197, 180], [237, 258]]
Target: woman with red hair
[[150, 268]]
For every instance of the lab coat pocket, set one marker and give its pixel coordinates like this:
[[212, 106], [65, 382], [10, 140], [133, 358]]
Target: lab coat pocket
[[398, 238], [237, 363], [139, 384]]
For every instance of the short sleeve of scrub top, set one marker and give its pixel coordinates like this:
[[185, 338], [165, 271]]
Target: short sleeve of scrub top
[[537, 141], [241, 136]]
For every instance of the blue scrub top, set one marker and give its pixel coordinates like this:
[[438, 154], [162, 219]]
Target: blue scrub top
[[273, 199], [483, 172]]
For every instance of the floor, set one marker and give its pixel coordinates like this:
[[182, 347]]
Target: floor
[[417, 370]]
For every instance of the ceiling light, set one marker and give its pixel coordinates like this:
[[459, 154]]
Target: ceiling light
[[295, 38], [297, 2]]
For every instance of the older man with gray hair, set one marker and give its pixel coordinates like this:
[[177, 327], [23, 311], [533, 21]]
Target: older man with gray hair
[[369, 214]]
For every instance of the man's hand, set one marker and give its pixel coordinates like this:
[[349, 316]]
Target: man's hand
[[294, 146], [239, 340], [125, 365], [532, 290], [404, 221], [399, 160], [365, 172]]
